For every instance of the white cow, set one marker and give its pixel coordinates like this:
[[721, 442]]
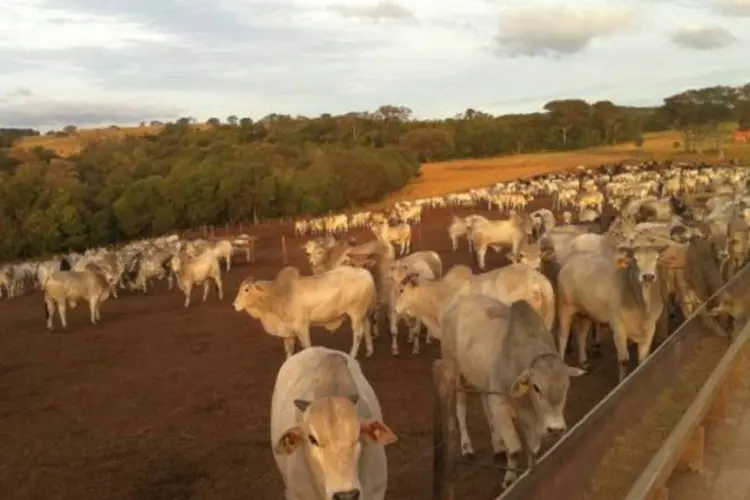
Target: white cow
[[327, 430], [290, 304], [64, 288]]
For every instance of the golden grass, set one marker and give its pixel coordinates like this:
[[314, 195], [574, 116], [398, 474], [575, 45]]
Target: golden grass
[[453, 176], [66, 146]]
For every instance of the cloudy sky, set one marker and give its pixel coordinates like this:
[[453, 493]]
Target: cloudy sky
[[90, 62]]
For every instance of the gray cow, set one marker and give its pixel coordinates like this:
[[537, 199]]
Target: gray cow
[[507, 352], [622, 290]]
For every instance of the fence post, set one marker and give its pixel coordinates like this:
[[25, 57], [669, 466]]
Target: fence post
[[283, 248], [444, 376]]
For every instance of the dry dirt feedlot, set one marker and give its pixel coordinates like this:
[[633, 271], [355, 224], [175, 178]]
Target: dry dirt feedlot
[[162, 403]]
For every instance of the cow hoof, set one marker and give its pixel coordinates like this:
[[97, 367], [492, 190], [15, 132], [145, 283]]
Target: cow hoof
[[394, 352], [584, 366], [507, 483], [369, 354], [499, 456], [470, 456]]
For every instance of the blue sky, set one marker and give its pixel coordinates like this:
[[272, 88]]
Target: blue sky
[[95, 62]]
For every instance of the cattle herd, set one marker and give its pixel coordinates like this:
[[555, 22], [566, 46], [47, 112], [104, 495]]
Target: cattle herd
[[621, 247]]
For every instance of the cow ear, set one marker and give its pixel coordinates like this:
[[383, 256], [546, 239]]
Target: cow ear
[[520, 385], [289, 441], [354, 398], [622, 259], [378, 432]]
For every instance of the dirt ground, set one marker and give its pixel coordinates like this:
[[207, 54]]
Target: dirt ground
[[162, 403]]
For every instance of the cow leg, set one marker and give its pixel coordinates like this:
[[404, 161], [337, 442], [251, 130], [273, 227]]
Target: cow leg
[[394, 331], [62, 311], [303, 334], [414, 331], [454, 243], [565, 318], [418, 328], [229, 262], [205, 290], [503, 414], [92, 311], [467, 450], [415, 341], [498, 446], [170, 282], [50, 310], [621, 346], [289, 346], [367, 331], [514, 253], [219, 286], [583, 328], [188, 290], [357, 334], [481, 252], [597, 341]]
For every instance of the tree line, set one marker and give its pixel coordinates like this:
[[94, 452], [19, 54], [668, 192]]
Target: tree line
[[184, 176]]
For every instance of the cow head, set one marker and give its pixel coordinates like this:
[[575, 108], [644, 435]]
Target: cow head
[[330, 434], [546, 382], [249, 294]]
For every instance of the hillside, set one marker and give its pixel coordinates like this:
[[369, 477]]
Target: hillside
[[72, 144]]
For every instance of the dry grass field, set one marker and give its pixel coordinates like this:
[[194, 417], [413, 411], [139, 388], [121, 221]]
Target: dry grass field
[[66, 146]]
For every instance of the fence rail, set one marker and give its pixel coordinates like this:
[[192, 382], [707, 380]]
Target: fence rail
[[576, 466]]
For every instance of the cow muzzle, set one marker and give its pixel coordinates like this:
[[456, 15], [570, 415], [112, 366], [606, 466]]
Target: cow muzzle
[[346, 495], [648, 278], [555, 432]]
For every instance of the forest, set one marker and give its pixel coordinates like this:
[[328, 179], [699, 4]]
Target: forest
[[238, 169]]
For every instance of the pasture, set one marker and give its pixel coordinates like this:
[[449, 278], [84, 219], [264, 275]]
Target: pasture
[[162, 403]]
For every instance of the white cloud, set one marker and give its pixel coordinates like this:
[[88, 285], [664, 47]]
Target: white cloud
[[733, 7], [382, 10], [208, 58], [31, 25], [556, 29], [702, 37]]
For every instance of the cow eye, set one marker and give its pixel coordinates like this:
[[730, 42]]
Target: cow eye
[[312, 440], [536, 388]]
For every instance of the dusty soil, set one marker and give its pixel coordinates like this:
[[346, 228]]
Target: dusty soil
[[162, 403]]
